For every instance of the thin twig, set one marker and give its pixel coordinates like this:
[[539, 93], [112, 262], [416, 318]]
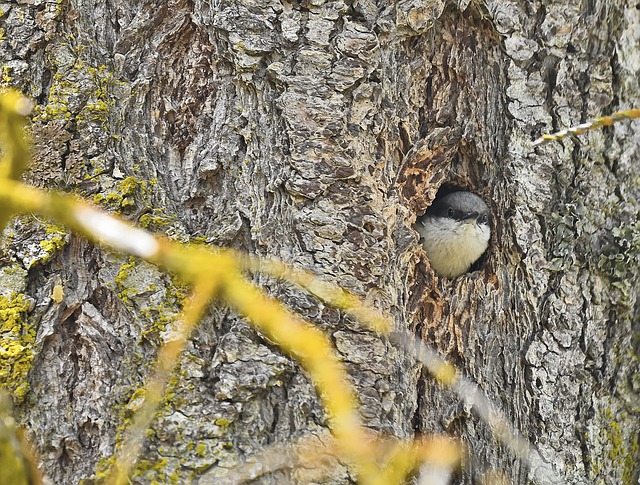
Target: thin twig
[[628, 114]]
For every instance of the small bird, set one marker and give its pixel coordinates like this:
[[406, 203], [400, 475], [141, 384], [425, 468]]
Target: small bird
[[455, 231]]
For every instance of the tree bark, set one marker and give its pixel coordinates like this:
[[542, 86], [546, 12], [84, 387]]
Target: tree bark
[[316, 132]]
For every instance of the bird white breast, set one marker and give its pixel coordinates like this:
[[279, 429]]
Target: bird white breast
[[453, 246]]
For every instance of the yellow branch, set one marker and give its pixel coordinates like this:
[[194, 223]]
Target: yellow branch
[[314, 352], [332, 294], [13, 111], [213, 269], [213, 273], [629, 114]]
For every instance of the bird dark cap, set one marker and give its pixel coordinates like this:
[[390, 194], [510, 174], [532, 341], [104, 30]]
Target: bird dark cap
[[462, 201]]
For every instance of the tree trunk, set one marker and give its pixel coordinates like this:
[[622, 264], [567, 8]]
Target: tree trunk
[[316, 132]]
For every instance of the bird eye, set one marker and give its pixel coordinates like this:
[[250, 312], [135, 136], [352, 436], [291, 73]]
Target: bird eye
[[451, 212], [484, 218]]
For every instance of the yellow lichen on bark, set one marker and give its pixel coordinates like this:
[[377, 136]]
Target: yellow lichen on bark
[[16, 345]]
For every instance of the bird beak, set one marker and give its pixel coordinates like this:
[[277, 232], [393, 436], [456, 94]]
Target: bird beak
[[471, 216]]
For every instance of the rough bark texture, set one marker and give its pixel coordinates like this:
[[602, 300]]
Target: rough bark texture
[[316, 132]]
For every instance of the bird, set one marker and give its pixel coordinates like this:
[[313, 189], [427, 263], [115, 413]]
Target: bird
[[455, 231]]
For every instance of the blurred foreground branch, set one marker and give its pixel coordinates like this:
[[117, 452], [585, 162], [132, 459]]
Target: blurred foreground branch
[[218, 274]]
